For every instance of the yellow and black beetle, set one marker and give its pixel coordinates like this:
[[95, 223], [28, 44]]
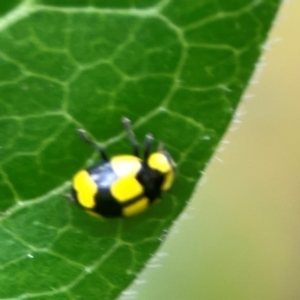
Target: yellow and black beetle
[[123, 185]]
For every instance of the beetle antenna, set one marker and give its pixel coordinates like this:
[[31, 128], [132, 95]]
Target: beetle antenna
[[127, 124], [160, 147], [148, 143], [83, 135]]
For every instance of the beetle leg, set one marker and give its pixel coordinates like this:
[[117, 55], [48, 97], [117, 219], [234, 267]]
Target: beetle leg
[[69, 197], [82, 133], [130, 134]]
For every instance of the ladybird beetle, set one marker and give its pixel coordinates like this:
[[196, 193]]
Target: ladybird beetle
[[123, 185]]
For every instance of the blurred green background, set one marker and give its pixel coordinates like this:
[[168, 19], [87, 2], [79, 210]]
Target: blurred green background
[[240, 237]]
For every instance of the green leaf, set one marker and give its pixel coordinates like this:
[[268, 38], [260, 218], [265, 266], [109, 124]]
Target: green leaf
[[175, 68]]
